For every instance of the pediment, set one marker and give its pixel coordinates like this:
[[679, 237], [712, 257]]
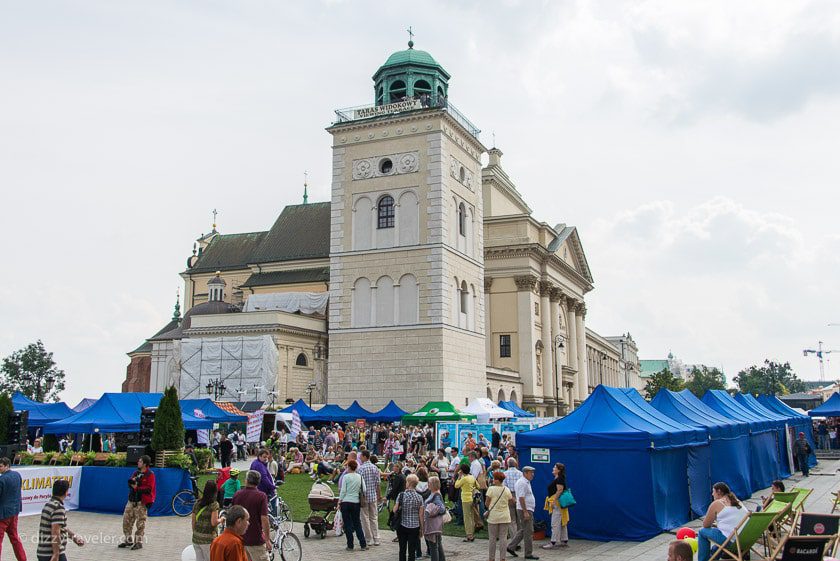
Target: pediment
[[569, 249]]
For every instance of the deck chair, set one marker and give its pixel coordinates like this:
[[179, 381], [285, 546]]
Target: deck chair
[[39, 458], [77, 459], [836, 504], [777, 531], [819, 525], [18, 459], [799, 501], [745, 536], [804, 548], [797, 505]]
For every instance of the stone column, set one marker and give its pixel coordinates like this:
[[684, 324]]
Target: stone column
[[488, 323], [583, 375], [545, 336], [525, 338], [557, 378], [571, 343]]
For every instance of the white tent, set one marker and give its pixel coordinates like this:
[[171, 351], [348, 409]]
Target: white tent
[[484, 410]]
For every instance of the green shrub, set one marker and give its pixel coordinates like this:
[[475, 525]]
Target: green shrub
[[116, 460], [205, 458], [169, 426], [6, 409], [180, 461]]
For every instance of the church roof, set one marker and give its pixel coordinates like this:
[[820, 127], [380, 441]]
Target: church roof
[[287, 277], [650, 367], [227, 252], [146, 347], [300, 232], [411, 56]]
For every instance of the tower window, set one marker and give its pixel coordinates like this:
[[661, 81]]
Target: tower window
[[301, 360], [504, 346], [462, 173], [386, 166], [462, 219], [397, 91], [465, 298], [386, 212]]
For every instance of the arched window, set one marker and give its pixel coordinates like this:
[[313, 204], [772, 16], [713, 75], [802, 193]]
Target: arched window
[[489, 393], [397, 91], [408, 301], [501, 396], [301, 360], [386, 212], [422, 87], [380, 94], [513, 397], [384, 301], [462, 219], [361, 303], [465, 298]]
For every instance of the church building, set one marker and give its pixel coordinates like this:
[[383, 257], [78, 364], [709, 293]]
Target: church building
[[426, 277]]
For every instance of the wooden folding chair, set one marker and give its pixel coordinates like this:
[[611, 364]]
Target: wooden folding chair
[[17, 459], [777, 531], [77, 459], [836, 504], [818, 525], [804, 548], [39, 458], [746, 535]]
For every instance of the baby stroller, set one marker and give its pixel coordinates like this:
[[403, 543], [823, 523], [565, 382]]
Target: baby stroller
[[322, 506]]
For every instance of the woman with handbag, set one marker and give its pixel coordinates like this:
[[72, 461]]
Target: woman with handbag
[[350, 502], [409, 509], [434, 517], [498, 499], [559, 513]]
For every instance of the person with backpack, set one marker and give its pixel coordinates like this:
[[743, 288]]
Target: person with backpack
[[205, 520]]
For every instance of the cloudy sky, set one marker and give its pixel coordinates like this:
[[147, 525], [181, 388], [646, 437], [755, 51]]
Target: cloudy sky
[[693, 144]]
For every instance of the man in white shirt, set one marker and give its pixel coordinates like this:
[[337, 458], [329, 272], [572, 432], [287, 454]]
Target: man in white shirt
[[512, 476], [476, 467], [525, 505]]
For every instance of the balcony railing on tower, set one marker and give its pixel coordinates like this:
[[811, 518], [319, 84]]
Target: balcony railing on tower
[[406, 105]]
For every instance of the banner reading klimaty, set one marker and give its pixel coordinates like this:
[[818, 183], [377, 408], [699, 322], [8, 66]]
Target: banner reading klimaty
[[37, 482]]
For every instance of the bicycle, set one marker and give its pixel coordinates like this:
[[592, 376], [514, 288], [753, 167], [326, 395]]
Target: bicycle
[[184, 500], [280, 531]]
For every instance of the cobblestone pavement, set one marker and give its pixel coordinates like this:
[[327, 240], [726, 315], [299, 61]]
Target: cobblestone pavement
[[167, 536]]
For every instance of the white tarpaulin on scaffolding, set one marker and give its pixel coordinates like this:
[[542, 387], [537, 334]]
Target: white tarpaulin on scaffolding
[[247, 364], [291, 302]]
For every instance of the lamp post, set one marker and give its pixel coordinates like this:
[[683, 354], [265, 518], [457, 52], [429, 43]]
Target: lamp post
[[216, 387], [558, 378], [42, 384], [310, 387], [601, 360]]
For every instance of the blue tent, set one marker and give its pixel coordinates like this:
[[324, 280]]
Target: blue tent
[[627, 467], [730, 440], [307, 414], [799, 422], [764, 451], [211, 411], [749, 402], [40, 413], [699, 458], [515, 409], [332, 413], [117, 412], [84, 404], [831, 408], [357, 411], [391, 413]]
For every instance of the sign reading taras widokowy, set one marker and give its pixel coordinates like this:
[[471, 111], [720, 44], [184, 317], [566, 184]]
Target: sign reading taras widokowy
[[37, 482]]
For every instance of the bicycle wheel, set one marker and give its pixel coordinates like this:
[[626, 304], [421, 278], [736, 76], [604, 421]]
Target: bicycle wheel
[[290, 548], [183, 502]]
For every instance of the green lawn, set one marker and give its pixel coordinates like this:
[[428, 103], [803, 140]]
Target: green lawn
[[297, 487]]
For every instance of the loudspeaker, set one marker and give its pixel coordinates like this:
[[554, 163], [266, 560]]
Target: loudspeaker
[[133, 454], [9, 450], [147, 425], [18, 425]]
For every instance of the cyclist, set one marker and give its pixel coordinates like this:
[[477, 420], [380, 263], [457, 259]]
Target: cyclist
[[230, 487]]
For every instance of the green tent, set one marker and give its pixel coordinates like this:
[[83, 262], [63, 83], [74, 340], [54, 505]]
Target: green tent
[[436, 411]]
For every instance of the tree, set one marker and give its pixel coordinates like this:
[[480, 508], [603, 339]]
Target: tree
[[6, 409], [663, 380], [32, 372], [168, 433], [704, 379], [772, 378]]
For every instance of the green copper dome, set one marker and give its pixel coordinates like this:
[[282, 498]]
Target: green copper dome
[[410, 56], [410, 74]]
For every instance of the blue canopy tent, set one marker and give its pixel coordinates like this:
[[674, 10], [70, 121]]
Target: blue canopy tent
[[117, 412], [699, 457], [831, 407], [83, 404], [307, 414], [800, 422], [730, 440], [332, 413], [211, 411], [628, 468], [40, 413], [357, 411], [515, 409], [782, 436], [391, 413], [764, 452]]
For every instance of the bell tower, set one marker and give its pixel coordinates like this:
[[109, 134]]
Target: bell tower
[[406, 254]]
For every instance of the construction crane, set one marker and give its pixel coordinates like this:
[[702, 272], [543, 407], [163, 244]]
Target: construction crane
[[820, 351]]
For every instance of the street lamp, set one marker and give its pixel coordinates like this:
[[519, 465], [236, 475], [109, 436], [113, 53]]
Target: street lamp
[[559, 345], [601, 361], [310, 387], [216, 387], [36, 379]]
